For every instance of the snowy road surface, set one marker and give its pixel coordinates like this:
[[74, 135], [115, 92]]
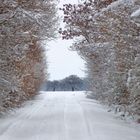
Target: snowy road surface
[[65, 116]]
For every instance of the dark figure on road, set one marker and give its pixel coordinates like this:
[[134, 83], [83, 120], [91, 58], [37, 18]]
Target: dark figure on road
[[72, 88]]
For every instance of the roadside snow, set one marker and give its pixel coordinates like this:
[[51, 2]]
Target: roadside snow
[[65, 116]]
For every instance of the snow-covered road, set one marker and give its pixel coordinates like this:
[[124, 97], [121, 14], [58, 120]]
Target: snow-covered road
[[65, 116]]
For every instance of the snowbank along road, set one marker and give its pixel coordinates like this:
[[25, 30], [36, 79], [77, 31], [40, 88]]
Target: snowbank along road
[[65, 116]]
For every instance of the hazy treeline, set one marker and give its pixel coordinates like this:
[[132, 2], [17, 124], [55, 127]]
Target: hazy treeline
[[71, 83], [108, 39], [24, 25]]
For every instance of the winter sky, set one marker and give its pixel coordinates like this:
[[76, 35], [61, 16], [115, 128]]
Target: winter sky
[[61, 61]]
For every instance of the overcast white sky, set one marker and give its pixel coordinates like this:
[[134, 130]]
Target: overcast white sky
[[61, 61]]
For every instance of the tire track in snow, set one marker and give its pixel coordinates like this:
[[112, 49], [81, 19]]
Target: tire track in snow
[[65, 116]]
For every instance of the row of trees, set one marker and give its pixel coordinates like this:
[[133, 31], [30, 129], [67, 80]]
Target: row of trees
[[71, 83], [24, 25], [107, 36]]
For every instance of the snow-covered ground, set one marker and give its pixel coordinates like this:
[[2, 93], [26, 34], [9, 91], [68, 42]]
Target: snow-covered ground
[[65, 116]]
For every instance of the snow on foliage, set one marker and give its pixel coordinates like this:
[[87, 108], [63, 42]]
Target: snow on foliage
[[24, 25], [108, 39], [136, 13]]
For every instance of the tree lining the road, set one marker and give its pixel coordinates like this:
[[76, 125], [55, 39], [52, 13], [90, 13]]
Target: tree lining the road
[[24, 26], [107, 38]]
